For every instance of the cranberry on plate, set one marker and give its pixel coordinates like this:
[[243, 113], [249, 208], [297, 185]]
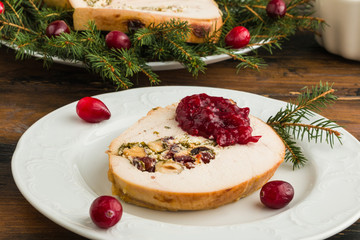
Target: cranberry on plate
[[106, 211], [276, 9], [2, 8], [276, 194], [238, 37], [56, 28], [117, 40], [92, 110]]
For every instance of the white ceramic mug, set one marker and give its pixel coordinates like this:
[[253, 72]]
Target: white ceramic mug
[[341, 35]]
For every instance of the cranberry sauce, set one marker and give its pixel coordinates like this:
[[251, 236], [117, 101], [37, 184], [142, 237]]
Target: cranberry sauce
[[215, 118]]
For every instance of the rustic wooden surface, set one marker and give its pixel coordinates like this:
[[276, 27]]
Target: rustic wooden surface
[[28, 92]]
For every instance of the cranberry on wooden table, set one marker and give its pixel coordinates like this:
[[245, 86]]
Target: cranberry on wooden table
[[92, 110], [56, 28], [276, 194], [117, 40], [106, 211], [238, 37], [276, 9]]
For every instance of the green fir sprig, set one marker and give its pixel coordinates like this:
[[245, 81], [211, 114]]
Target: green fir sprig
[[290, 126], [23, 25]]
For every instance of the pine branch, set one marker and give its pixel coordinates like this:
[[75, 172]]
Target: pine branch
[[311, 100], [154, 78], [132, 65], [23, 26], [166, 41], [287, 122], [254, 12], [246, 61], [17, 26], [67, 46], [184, 54], [173, 29], [293, 152], [107, 69], [295, 4]]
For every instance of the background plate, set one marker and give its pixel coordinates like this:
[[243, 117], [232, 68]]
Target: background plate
[[60, 167], [155, 66]]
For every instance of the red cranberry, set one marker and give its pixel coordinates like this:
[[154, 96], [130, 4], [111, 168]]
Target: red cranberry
[[144, 163], [106, 211], [2, 8], [276, 9], [276, 194], [56, 28], [117, 40], [205, 154], [238, 37], [92, 110], [215, 118]]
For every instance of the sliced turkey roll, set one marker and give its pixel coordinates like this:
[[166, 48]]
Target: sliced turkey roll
[[203, 16], [189, 172]]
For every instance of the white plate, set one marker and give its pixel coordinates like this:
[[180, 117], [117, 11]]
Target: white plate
[[60, 166], [155, 66]]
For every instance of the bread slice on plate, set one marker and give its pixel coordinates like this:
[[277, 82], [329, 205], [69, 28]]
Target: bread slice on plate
[[203, 16], [190, 172]]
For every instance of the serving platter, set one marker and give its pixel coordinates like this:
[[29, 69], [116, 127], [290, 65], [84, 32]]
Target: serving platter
[[60, 166], [155, 66]]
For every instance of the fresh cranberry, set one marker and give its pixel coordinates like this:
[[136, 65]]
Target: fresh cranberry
[[215, 118], [117, 40], [144, 163], [56, 28], [276, 9], [92, 110], [106, 211], [238, 37], [206, 157], [205, 154], [276, 194], [2, 8], [183, 158]]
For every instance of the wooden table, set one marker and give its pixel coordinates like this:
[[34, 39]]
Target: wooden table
[[28, 92]]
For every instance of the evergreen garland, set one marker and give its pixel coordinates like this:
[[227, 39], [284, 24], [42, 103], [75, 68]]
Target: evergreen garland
[[23, 24]]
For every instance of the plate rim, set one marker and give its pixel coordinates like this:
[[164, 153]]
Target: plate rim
[[154, 65]]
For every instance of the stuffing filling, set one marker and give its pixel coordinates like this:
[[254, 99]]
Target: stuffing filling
[[168, 154]]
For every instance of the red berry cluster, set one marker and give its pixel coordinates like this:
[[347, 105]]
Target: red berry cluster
[[114, 39], [239, 36]]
